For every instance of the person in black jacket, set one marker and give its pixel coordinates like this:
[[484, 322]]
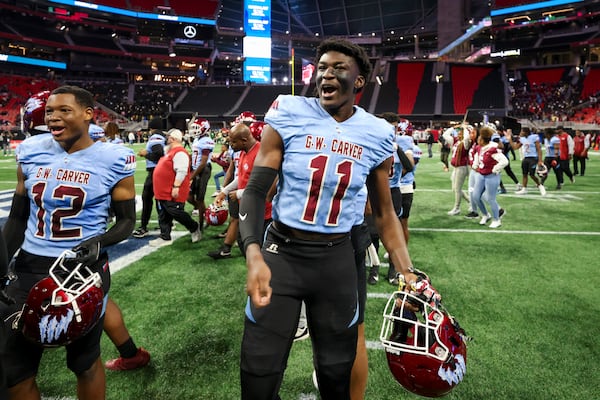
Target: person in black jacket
[[153, 151]]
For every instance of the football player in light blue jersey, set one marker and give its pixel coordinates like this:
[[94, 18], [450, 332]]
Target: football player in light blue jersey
[[529, 142], [324, 150], [551, 160], [66, 183], [202, 148]]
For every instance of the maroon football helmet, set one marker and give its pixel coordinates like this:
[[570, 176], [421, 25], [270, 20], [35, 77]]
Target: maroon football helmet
[[425, 347], [256, 129], [405, 126], [216, 215], [34, 112], [63, 306], [245, 116]]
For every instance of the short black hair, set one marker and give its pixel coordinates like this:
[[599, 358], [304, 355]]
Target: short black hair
[[390, 117], [82, 96], [348, 48]]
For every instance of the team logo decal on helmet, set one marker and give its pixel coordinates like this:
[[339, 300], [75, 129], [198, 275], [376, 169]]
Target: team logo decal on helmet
[[256, 129], [246, 117], [63, 306], [34, 112], [541, 170], [216, 215], [198, 127], [425, 347]]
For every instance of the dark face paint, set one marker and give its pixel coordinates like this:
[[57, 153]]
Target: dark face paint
[[336, 77]]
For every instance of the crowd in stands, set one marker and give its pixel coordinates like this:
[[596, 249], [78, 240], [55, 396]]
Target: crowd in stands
[[548, 102], [147, 102], [544, 101]]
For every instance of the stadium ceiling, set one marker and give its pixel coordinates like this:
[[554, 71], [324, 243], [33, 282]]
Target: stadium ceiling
[[349, 18]]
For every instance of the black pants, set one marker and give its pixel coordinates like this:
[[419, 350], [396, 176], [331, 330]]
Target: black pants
[[565, 165], [577, 160], [147, 197], [169, 211], [311, 272]]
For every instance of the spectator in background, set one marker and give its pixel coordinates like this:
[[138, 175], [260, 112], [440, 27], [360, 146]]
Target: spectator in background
[[580, 152], [223, 159], [153, 151], [430, 141], [6, 138], [111, 129], [566, 152], [460, 169], [506, 149], [171, 183], [489, 161], [445, 146], [131, 138]]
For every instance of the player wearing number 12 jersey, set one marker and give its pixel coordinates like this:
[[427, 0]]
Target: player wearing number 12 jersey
[[324, 150], [66, 184]]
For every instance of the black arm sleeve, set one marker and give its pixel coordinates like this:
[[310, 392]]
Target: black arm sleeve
[[125, 222], [3, 259], [14, 229], [252, 206], [155, 153], [406, 164]]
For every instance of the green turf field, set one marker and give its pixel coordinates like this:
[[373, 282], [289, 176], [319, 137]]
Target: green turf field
[[527, 293]]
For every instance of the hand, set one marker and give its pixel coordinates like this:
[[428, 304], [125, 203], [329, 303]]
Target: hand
[[233, 195], [87, 252], [258, 278], [5, 298], [420, 286], [143, 153], [219, 198]]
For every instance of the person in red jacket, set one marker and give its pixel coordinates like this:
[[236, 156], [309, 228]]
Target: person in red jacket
[[171, 181], [565, 152], [580, 152]]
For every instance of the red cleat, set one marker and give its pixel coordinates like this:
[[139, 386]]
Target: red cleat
[[141, 359]]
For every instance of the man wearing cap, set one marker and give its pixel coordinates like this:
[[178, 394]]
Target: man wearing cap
[[171, 181]]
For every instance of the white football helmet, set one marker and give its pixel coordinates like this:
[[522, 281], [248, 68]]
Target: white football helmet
[[198, 127]]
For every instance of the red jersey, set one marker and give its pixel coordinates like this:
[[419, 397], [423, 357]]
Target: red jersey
[[580, 149], [460, 156], [486, 160], [245, 165], [564, 146], [164, 176]]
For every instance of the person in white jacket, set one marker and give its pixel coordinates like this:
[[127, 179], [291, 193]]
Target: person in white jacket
[[489, 161]]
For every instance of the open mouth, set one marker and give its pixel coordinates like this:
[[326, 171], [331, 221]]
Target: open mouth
[[328, 90], [56, 130]]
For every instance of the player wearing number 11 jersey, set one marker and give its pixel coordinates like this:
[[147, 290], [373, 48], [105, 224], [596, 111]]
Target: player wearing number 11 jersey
[[324, 150]]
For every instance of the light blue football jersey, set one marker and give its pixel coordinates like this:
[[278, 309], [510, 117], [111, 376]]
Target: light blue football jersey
[[528, 143], [155, 138], [550, 150], [325, 163], [69, 194]]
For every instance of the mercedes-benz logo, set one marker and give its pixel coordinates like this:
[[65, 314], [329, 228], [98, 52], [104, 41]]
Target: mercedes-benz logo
[[189, 31]]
